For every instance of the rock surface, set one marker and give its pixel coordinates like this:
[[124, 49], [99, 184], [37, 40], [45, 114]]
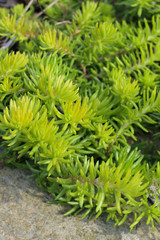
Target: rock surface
[[25, 215]]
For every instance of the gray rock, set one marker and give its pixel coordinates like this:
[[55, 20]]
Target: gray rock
[[25, 215]]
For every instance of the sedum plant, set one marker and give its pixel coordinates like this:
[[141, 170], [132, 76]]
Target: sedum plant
[[78, 94]]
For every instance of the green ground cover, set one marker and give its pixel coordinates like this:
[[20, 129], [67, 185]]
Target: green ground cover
[[80, 103]]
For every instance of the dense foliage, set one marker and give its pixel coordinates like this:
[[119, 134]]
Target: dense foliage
[[80, 103]]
